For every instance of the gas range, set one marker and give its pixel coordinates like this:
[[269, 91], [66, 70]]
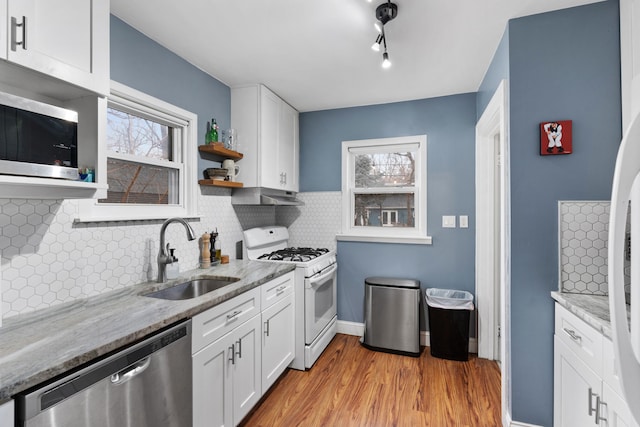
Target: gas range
[[312, 260], [294, 254], [315, 288], [271, 244]]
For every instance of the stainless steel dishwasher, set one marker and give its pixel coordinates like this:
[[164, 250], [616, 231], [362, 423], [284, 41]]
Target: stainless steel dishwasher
[[148, 384]]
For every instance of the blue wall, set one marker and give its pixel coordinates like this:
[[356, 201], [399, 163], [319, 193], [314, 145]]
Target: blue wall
[[498, 70], [564, 65], [141, 63], [449, 123]]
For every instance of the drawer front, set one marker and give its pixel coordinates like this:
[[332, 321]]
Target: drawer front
[[276, 289], [212, 324], [584, 340]]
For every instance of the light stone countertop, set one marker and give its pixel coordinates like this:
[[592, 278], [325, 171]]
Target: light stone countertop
[[38, 346], [593, 309]]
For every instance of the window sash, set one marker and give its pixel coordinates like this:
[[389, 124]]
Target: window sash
[[184, 124], [412, 234]]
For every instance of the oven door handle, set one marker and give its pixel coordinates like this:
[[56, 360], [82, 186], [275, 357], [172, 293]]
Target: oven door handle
[[325, 273]]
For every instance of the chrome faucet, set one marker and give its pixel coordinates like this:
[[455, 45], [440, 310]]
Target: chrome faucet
[[164, 257]]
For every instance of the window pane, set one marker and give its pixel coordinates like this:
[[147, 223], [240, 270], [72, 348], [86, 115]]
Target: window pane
[[384, 170], [131, 182], [129, 134], [388, 210]]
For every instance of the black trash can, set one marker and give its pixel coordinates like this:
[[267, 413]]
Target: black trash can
[[449, 313]]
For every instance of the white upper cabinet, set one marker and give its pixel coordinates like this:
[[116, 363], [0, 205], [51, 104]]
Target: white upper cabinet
[[66, 42], [267, 136]]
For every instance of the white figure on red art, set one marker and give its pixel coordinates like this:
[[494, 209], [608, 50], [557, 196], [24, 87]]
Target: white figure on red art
[[554, 134]]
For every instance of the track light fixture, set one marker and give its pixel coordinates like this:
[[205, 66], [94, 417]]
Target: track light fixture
[[376, 45], [384, 13]]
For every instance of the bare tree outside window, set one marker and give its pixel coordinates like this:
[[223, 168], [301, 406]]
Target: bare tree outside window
[[384, 171], [130, 134], [143, 181]]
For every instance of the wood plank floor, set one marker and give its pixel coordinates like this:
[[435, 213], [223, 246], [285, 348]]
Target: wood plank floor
[[353, 386]]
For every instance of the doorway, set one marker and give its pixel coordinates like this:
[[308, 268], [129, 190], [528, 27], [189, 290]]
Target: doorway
[[493, 237]]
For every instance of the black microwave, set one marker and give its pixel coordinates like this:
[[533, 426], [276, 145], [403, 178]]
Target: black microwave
[[37, 139]]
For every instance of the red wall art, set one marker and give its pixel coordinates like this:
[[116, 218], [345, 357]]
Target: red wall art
[[555, 137]]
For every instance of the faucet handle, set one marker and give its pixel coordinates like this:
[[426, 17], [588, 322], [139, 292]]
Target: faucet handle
[[172, 256], [169, 254]]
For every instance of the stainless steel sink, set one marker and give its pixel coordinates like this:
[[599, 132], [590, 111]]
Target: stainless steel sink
[[193, 288]]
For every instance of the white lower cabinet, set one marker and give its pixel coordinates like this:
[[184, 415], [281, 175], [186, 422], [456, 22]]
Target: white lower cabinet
[[576, 388], [277, 340], [239, 349], [226, 377], [586, 391], [6, 414]]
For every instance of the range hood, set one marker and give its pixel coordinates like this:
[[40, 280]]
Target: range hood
[[264, 196]]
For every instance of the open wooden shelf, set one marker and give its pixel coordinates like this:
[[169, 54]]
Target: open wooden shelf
[[217, 149], [220, 183]]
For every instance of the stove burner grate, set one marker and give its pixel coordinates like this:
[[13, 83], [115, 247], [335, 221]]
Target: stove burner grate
[[295, 254]]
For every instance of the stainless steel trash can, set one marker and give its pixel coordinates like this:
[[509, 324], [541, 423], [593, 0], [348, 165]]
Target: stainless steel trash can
[[392, 315]]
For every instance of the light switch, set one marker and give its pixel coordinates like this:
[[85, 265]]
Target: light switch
[[464, 221], [448, 221]]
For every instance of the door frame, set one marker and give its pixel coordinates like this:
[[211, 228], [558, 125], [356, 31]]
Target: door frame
[[494, 120]]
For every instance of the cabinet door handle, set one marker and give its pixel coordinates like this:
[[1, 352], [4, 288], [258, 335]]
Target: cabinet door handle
[[234, 314], [599, 416], [232, 356], [14, 27], [593, 410], [281, 289], [239, 352], [266, 328], [572, 334]]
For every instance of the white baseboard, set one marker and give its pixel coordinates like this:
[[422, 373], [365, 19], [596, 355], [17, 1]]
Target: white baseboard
[[357, 329], [350, 328]]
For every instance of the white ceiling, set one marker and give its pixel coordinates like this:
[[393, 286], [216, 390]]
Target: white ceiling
[[316, 54]]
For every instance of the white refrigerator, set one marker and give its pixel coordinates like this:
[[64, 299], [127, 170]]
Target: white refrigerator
[[626, 333]]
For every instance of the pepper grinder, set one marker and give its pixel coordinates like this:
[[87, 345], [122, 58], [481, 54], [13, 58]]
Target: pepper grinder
[[206, 254]]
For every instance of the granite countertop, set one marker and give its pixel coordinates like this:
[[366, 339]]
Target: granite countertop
[[41, 345], [593, 309]]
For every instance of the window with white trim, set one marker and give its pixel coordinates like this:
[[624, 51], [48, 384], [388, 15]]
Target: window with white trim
[[384, 190], [149, 158]]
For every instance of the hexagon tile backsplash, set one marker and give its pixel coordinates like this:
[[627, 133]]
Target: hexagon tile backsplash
[[47, 259], [583, 235]]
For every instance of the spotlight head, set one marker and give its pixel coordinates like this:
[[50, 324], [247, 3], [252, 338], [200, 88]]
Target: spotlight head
[[376, 46], [385, 60]]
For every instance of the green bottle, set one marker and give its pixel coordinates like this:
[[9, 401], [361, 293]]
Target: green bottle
[[214, 131], [207, 135]]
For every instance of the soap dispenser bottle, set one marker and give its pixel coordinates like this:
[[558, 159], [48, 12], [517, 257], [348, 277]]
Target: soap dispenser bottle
[[173, 269]]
